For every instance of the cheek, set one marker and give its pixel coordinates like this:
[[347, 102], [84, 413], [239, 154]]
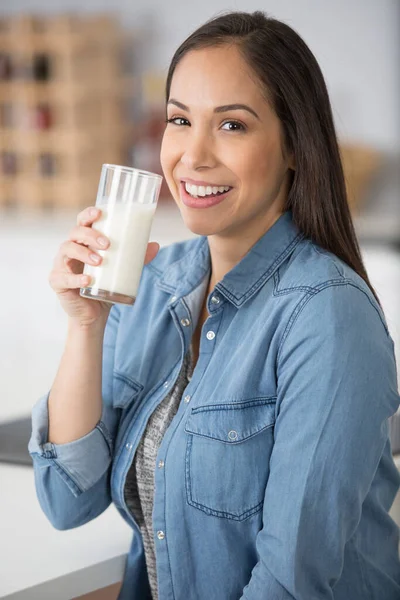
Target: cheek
[[165, 153], [169, 152], [168, 159], [259, 166]]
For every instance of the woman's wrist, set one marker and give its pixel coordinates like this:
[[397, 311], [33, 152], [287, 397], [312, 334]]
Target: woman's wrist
[[94, 329]]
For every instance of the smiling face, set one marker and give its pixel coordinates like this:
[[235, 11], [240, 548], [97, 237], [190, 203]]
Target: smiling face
[[208, 143]]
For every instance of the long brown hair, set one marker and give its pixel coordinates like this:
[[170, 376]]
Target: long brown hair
[[293, 84]]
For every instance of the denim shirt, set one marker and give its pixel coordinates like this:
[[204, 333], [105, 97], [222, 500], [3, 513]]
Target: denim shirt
[[275, 477]]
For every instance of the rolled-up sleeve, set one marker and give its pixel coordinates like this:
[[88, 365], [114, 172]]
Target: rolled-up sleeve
[[337, 388], [72, 479], [84, 460]]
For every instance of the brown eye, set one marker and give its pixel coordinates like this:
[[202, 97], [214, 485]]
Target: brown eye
[[238, 126], [173, 119]]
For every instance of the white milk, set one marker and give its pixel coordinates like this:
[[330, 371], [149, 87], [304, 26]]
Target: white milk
[[127, 226]]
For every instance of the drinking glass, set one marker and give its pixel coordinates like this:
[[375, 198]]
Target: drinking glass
[[128, 199]]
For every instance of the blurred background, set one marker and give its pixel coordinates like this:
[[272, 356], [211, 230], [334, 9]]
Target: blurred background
[[82, 83]]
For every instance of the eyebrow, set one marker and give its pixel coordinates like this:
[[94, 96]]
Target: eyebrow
[[218, 109]]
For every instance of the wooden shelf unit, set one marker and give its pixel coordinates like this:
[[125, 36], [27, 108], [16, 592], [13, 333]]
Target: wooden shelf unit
[[63, 107]]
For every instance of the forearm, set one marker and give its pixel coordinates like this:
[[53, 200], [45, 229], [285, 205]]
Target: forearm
[[75, 400]]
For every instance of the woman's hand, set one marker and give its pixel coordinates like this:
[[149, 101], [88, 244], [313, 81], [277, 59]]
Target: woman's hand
[[66, 275]]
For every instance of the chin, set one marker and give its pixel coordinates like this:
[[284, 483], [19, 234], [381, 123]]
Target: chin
[[199, 225], [200, 228]]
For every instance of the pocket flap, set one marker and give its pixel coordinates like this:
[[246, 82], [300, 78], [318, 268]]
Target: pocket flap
[[125, 390], [232, 422]]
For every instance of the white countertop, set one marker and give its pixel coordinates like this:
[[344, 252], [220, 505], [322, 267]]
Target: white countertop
[[38, 562]]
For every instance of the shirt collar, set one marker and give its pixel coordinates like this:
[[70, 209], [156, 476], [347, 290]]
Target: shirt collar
[[245, 279]]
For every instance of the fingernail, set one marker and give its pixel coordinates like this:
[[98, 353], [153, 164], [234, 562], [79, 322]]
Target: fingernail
[[93, 212], [102, 241]]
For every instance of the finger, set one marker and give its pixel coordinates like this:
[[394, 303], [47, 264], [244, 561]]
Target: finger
[[62, 282], [71, 252], [89, 237], [151, 252], [88, 215]]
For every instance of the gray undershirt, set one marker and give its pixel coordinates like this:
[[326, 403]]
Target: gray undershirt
[[139, 485]]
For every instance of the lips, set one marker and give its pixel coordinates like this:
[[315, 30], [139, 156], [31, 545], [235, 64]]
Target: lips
[[201, 202]]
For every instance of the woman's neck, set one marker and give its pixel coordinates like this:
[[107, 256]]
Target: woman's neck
[[226, 251]]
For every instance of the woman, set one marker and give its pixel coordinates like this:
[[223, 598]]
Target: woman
[[237, 414]]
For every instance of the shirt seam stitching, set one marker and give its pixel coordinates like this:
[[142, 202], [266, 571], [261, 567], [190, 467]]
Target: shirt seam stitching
[[192, 251], [314, 247], [307, 297], [267, 274], [154, 269], [67, 473]]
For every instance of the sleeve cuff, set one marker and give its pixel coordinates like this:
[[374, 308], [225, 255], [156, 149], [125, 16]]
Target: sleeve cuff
[[83, 460]]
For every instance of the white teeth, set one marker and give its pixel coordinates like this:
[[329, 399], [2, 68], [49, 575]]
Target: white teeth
[[201, 190]]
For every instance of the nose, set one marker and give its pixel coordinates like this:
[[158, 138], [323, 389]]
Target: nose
[[197, 151]]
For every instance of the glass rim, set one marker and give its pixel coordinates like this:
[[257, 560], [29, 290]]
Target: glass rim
[[133, 169]]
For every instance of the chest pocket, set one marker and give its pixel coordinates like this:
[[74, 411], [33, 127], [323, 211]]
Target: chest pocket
[[227, 456]]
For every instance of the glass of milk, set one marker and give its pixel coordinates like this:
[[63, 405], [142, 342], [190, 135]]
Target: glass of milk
[[127, 198]]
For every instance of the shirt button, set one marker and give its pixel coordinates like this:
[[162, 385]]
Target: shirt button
[[160, 535], [215, 300], [232, 435], [173, 299], [210, 335], [166, 384], [185, 322], [128, 446], [160, 464], [187, 398]]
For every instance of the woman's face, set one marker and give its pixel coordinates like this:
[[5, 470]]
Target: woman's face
[[214, 145]]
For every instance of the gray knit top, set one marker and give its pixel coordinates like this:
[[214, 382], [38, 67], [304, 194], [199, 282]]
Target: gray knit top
[[139, 485]]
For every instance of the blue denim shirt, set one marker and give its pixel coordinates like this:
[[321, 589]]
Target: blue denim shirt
[[275, 478]]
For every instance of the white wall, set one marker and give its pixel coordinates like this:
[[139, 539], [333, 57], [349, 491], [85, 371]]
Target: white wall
[[355, 42]]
